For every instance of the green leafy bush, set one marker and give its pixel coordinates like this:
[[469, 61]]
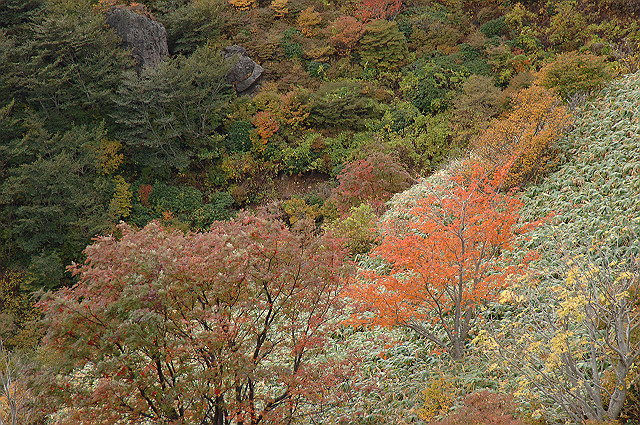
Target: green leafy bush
[[220, 207], [358, 228], [473, 59], [382, 47], [399, 116], [567, 26], [193, 24], [424, 144], [290, 43], [478, 101], [179, 200], [239, 137], [168, 113], [495, 28], [18, 314], [317, 69], [573, 73], [342, 104], [429, 84], [300, 156]]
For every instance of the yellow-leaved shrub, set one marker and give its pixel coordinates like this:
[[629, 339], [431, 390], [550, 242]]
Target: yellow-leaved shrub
[[438, 396]]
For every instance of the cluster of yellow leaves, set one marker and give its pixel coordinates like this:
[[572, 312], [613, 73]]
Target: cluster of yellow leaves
[[438, 397], [320, 54], [109, 157], [297, 209], [308, 20], [507, 296], [243, 4], [358, 228], [13, 401], [5, 409], [279, 7], [120, 205]]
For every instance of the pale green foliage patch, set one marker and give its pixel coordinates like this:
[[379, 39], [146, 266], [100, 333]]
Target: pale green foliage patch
[[594, 196]]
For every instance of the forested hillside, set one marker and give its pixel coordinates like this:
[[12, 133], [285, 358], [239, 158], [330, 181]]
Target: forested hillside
[[311, 211]]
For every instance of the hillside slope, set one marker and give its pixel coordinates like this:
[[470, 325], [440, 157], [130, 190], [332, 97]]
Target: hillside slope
[[594, 196]]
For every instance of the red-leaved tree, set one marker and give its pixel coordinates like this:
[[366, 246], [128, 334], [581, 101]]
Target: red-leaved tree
[[227, 326], [368, 10], [373, 180], [445, 260], [345, 32]]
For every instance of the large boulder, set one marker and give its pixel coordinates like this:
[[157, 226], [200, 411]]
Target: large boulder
[[147, 38], [244, 73]]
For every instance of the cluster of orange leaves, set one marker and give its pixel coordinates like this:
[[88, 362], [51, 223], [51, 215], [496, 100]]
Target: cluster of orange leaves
[[14, 398], [144, 192], [445, 260], [279, 111], [368, 10], [525, 137], [294, 110], [266, 126]]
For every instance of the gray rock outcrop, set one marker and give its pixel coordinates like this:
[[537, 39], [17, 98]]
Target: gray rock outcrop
[[244, 73], [147, 38]]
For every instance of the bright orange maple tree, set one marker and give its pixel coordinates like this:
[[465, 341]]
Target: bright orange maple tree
[[446, 259]]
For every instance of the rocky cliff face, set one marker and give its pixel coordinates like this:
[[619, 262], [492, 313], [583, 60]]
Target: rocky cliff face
[[244, 73], [147, 38]]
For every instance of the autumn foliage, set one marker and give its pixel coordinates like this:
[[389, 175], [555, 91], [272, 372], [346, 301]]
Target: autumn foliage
[[345, 32], [445, 260], [373, 181], [266, 126], [227, 326], [368, 10], [243, 4], [525, 137], [485, 408], [307, 20], [280, 7]]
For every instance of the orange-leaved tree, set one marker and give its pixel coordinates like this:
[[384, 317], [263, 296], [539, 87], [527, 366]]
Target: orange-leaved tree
[[446, 259], [526, 137]]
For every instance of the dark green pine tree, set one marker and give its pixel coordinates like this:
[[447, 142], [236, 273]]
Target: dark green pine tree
[[16, 14], [168, 114], [60, 67], [53, 202], [66, 68]]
